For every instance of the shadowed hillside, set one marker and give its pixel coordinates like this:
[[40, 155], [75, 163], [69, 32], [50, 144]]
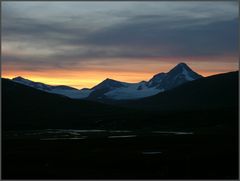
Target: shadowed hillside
[[29, 108]]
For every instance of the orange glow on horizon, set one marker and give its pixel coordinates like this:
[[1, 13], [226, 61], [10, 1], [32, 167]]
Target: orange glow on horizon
[[88, 79], [83, 80], [132, 72]]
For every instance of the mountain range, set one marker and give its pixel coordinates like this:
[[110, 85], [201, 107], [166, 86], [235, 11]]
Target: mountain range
[[210, 92], [198, 102], [110, 89]]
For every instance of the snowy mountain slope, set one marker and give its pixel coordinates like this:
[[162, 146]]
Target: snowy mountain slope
[[112, 89], [108, 85], [37, 85], [156, 79], [116, 90], [180, 74], [61, 89], [132, 92]]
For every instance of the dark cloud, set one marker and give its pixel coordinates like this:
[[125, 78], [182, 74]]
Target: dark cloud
[[28, 29], [69, 40], [201, 40]]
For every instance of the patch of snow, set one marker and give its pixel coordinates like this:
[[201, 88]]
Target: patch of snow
[[76, 138], [151, 152], [132, 92], [74, 94], [62, 90], [85, 131], [186, 74], [123, 136], [172, 132], [120, 131]]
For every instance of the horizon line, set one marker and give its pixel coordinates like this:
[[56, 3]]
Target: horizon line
[[102, 80]]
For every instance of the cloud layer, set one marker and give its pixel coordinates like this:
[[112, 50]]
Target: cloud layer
[[78, 35]]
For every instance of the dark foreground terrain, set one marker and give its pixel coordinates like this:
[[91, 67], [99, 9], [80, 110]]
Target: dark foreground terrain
[[190, 132], [146, 156]]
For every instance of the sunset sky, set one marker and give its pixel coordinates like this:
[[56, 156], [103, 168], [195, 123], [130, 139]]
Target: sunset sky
[[82, 43]]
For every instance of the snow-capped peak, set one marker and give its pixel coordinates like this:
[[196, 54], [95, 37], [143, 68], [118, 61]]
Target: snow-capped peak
[[21, 79], [108, 84], [178, 75], [37, 85], [179, 68], [182, 64], [182, 69]]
